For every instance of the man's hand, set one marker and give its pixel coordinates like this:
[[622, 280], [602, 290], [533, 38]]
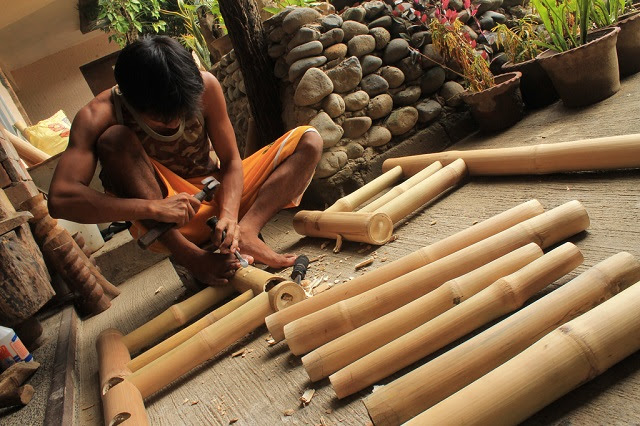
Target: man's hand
[[178, 209], [232, 234]]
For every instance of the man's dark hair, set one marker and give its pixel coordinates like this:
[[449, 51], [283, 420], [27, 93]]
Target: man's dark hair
[[158, 76]]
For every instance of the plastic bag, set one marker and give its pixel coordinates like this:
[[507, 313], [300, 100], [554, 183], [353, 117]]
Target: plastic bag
[[50, 135]]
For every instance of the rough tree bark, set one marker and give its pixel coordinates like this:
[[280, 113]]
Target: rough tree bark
[[244, 25]]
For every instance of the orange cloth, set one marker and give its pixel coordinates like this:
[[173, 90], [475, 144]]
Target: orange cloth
[[255, 169]]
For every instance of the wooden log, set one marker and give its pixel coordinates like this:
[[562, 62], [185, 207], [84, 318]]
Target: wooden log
[[505, 295], [371, 228], [429, 384], [500, 222], [213, 339], [183, 335], [561, 361], [350, 202], [19, 373], [614, 152], [318, 328], [425, 191], [10, 396], [344, 350], [401, 188], [29, 153]]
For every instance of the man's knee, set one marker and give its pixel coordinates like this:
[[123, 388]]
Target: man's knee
[[311, 144], [115, 141]]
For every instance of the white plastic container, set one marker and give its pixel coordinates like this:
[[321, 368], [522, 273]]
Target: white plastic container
[[11, 349], [90, 232]]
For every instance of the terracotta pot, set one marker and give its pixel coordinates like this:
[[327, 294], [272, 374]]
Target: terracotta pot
[[586, 74], [498, 107], [628, 46], [535, 85]]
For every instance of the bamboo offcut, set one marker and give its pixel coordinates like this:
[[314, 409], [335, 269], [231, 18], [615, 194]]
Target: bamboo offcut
[[370, 228], [614, 152], [561, 361], [500, 222], [318, 328], [349, 202], [29, 153], [344, 350], [505, 295], [429, 384]]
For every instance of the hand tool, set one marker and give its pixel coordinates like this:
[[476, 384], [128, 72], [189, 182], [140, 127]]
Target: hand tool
[[212, 222], [300, 268], [210, 185]]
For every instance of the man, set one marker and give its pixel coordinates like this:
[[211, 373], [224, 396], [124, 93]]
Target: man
[[153, 135]]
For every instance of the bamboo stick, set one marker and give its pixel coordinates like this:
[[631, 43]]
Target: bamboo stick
[[29, 153], [349, 202], [213, 339], [402, 188], [371, 228], [354, 345], [493, 225], [185, 334], [561, 361], [425, 191], [614, 152], [429, 384], [318, 328], [505, 295]]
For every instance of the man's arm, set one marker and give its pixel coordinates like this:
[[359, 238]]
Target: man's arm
[[223, 139]]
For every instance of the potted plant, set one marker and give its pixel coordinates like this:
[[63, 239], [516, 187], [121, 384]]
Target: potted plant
[[607, 13], [583, 66], [520, 45]]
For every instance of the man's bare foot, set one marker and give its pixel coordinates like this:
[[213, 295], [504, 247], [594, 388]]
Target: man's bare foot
[[212, 268], [251, 245]]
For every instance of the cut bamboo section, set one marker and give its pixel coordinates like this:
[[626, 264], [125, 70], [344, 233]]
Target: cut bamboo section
[[566, 358], [413, 393], [254, 279], [354, 345], [614, 152], [402, 188], [370, 228], [349, 202], [29, 153], [425, 191], [213, 339], [505, 295], [185, 334], [318, 328], [500, 222]]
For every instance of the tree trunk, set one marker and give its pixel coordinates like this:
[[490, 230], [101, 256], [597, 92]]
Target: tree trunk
[[242, 19]]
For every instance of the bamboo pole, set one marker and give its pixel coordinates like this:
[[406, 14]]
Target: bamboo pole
[[29, 153], [505, 295], [213, 339], [614, 152], [349, 202], [425, 191], [318, 328], [402, 188], [429, 384], [371, 228], [254, 279], [566, 358], [493, 225], [344, 350], [185, 334]]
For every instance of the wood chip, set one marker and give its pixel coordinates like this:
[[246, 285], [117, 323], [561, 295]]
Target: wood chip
[[433, 222], [232, 421], [324, 245], [194, 402], [338, 246], [474, 222], [159, 289], [86, 408], [383, 259], [322, 287], [271, 341], [248, 351], [238, 353], [305, 399], [185, 400], [365, 248], [315, 259], [364, 263], [289, 412]]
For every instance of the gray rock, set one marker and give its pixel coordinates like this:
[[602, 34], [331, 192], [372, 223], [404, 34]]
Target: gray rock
[[331, 37], [373, 8], [457, 5], [397, 49], [337, 51], [333, 105], [233, 67], [428, 110], [353, 28], [276, 50], [302, 36], [393, 75], [370, 64], [518, 11], [380, 106], [356, 101], [382, 37], [312, 48], [330, 22], [299, 17], [304, 115], [346, 75], [374, 84], [402, 120], [467, 29], [486, 22], [281, 69], [485, 5], [354, 14], [412, 70], [356, 127], [313, 87], [420, 38], [300, 67], [407, 97], [361, 45], [433, 58], [451, 92], [377, 136], [498, 18], [354, 150], [432, 80], [464, 16], [330, 131], [276, 35], [330, 163], [382, 22]]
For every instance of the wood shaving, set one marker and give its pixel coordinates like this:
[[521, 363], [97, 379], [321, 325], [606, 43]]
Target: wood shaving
[[248, 351], [185, 400], [383, 259], [365, 248], [193, 402], [238, 353], [315, 259], [393, 238], [232, 421], [322, 287], [474, 222], [324, 245], [271, 341], [86, 408], [433, 222], [289, 412], [305, 399], [338, 246], [364, 263], [159, 289]]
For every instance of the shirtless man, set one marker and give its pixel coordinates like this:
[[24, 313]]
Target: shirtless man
[[153, 135]]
